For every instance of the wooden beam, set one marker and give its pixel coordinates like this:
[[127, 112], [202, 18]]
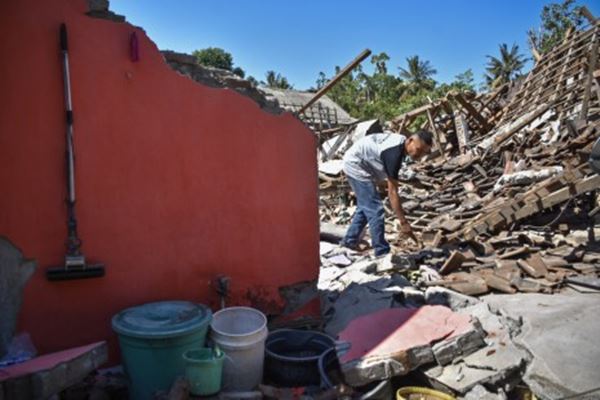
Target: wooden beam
[[568, 34], [436, 134], [589, 79], [462, 131], [416, 112], [365, 53], [481, 120]]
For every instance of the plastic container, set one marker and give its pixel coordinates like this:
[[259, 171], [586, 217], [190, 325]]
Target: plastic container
[[405, 393], [203, 370], [329, 369], [153, 338], [292, 356], [240, 332]]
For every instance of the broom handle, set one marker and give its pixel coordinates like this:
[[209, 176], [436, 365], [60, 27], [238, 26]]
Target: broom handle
[[69, 113]]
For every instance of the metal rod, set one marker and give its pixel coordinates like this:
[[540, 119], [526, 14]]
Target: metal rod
[[366, 53]]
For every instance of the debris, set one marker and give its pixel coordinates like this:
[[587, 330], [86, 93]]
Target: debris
[[480, 393], [506, 203], [559, 334], [494, 364], [452, 263], [454, 300], [49, 374], [404, 340]]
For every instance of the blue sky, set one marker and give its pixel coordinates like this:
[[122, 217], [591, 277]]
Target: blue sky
[[301, 38]]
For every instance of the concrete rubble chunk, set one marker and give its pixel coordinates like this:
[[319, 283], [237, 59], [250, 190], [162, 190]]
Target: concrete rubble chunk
[[391, 262], [47, 375], [448, 350], [497, 363], [443, 296], [403, 341], [559, 332], [480, 393]]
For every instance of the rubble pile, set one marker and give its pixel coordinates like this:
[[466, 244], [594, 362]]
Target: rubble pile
[[508, 194], [505, 209]]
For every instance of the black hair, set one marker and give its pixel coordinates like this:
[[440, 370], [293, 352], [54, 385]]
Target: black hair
[[425, 136]]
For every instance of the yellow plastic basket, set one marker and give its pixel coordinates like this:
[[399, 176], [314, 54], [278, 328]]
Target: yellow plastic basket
[[421, 393]]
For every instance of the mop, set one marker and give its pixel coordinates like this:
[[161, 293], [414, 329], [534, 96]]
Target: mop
[[75, 266]]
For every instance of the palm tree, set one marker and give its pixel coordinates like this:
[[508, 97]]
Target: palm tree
[[419, 72], [506, 68], [277, 81]]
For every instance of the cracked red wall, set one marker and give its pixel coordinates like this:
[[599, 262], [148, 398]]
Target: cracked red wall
[[176, 182]]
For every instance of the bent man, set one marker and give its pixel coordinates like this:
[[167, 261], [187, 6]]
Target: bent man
[[376, 158]]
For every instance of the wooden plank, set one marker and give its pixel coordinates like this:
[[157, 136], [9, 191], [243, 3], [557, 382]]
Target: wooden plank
[[416, 112], [496, 282], [462, 131], [534, 265], [481, 120], [589, 78], [453, 262], [436, 134]]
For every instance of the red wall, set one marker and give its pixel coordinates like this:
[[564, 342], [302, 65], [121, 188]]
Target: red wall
[[176, 182]]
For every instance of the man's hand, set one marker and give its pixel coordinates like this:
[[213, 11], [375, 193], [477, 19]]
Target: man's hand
[[406, 231], [406, 228]]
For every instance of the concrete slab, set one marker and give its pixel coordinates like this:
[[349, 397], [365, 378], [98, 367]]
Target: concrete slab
[[355, 301], [560, 333], [481, 393], [498, 363], [44, 376], [401, 341]]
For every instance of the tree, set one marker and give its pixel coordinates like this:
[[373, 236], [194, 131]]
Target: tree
[[557, 19], [380, 61], [214, 57], [364, 95], [217, 58], [277, 81], [464, 81], [239, 72], [418, 73], [506, 68]]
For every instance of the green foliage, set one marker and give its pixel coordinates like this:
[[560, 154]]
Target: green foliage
[[505, 68], [465, 80], [557, 19], [217, 58], [214, 57], [239, 72], [418, 74], [383, 95], [276, 81]]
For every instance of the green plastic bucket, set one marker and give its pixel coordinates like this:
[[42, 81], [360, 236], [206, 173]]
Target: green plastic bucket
[[153, 338], [203, 370]]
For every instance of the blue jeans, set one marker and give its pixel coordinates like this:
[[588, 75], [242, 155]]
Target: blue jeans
[[369, 211]]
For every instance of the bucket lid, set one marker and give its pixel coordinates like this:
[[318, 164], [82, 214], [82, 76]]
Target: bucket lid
[[162, 319]]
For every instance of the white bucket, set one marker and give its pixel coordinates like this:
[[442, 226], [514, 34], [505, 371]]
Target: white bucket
[[241, 333]]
